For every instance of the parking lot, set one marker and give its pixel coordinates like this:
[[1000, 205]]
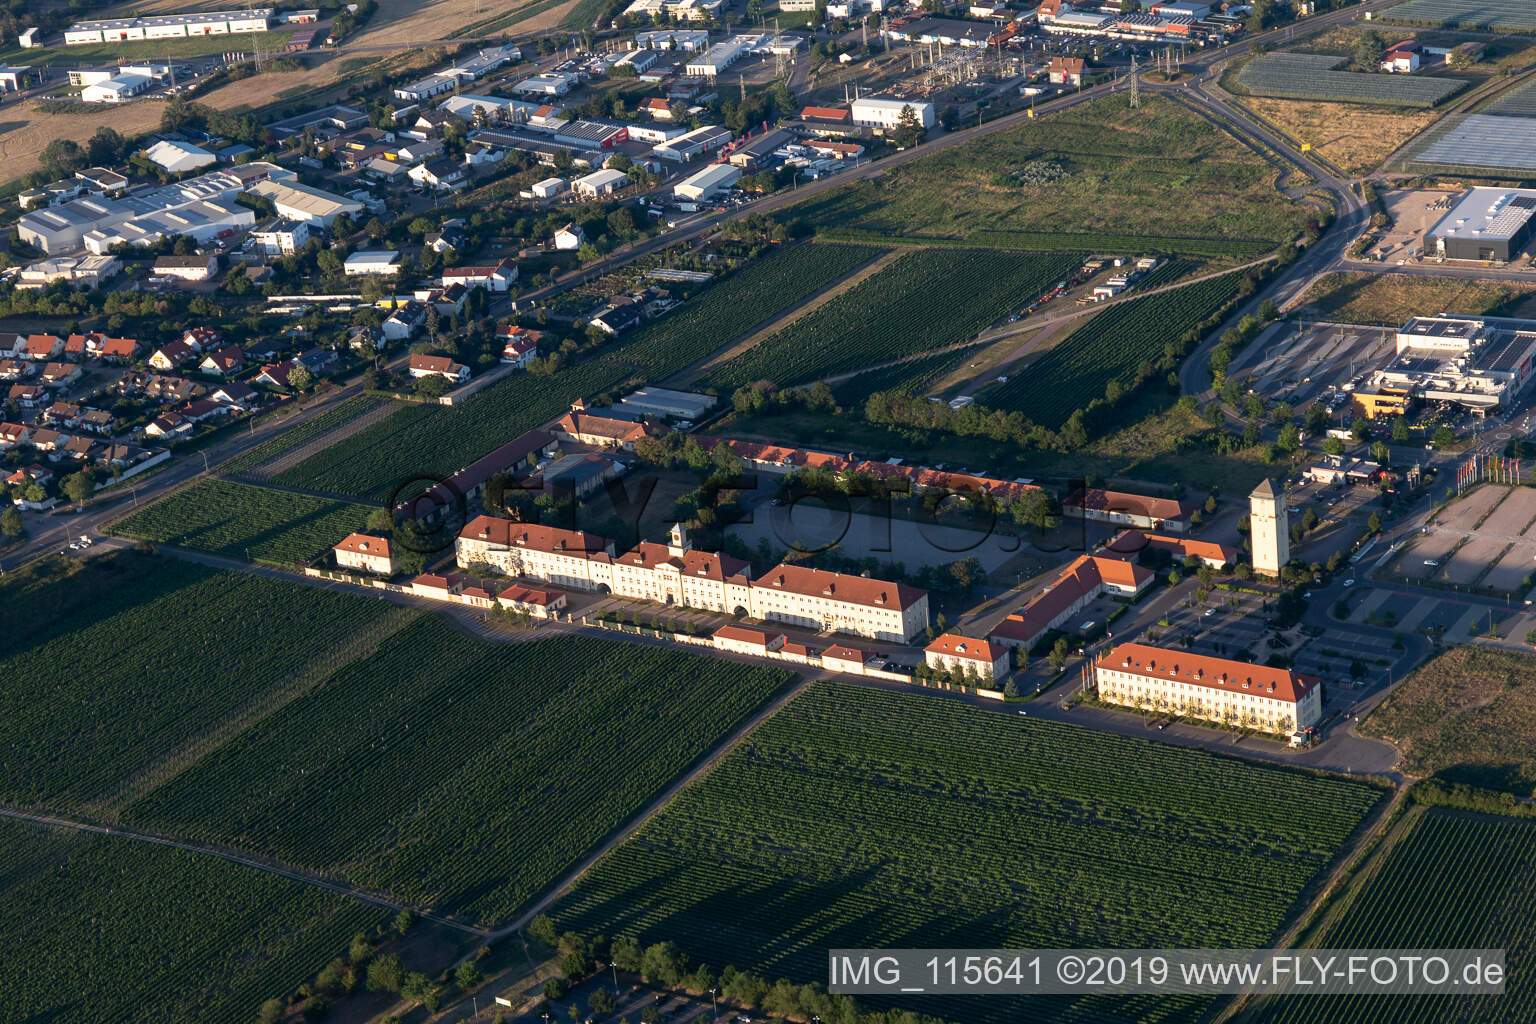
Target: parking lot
[[1301, 362], [1487, 540]]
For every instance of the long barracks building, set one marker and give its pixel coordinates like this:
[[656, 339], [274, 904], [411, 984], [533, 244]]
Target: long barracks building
[[676, 574]]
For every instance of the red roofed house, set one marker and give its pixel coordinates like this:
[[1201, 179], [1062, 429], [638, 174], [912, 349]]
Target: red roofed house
[[60, 373], [534, 602], [745, 640], [121, 349], [519, 344], [971, 656], [27, 396], [168, 357], [439, 588], [1132, 542], [1402, 58], [836, 115], [1136, 510], [657, 108], [43, 346], [602, 431], [223, 362], [276, 374], [497, 278], [169, 425], [201, 338], [1275, 700], [12, 434], [439, 366], [361, 551], [1067, 71], [847, 660]]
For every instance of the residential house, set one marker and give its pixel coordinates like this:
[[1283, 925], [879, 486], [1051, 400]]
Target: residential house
[[615, 320], [602, 431], [405, 321], [202, 339], [121, 350], [498, 278], [283, 237], [438, 366], [169, 357], [203, 409], [81, 448], [531, 600], [276, 374], [60, 374], [65, 415], [1067, 71], [42, 347], [569, 238], [446, 240], [15, 369], [223, 362], [745, 640], [440, 175], [236, 393], [519, 344], [97, 421], [13, 434], [169, 426], [361, 551]]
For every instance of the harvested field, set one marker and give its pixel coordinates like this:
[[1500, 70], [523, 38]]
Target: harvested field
[[22, 141], [1390, 299], [1355, 138], [409, 22]]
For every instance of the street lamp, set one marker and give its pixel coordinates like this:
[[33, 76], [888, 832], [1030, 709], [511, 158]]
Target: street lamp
[[713, 1002]]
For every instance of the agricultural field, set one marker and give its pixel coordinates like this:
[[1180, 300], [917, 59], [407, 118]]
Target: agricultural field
[[1517, 102], [1451, 880], [109, 931], [438, 440], [1355, 138], [1110, 348], [1126, 176], [133, 656], [915, 375], [1468, 715], [926, 299], [458, 773], [730, 308], [1388, 300], [1482, 15], [259, 524], [1310, 76], [864, 818], [292, 438]]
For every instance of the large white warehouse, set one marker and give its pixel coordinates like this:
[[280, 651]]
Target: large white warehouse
[[875, 112]]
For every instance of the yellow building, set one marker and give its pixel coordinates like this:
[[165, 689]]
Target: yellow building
[[970, 655], [371, 554], [1384, 402]]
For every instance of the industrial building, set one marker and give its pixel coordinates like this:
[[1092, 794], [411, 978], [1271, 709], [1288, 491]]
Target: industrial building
[[1477, 363], [718, 57], [707, 183], [686, 40], [168, 26], [116, 89], [667, 404], [298, 202], [885, 114], [1491, 224], [599, 183], [694, 144], [757, 153]]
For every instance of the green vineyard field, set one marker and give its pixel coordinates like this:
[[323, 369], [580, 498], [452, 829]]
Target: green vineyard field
[[724, 311], [292, 438], [261, 524], [163, 651], [1109, 347], [97, 930], [861, 818], [1455, 881], [458, 773], [439, 440], [914, 375], [925, 300]]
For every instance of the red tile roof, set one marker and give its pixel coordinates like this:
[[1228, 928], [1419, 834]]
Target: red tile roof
[[528, 595], [363, 544], [1215, 673], [510, 534], [842, 652], [482, 469], [824, 114], [578, 424], [1099, 500], [968, 647], [436, 364], [1129, 543], [838, 586], [697, 564], [742, 634], [1082, 576]]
